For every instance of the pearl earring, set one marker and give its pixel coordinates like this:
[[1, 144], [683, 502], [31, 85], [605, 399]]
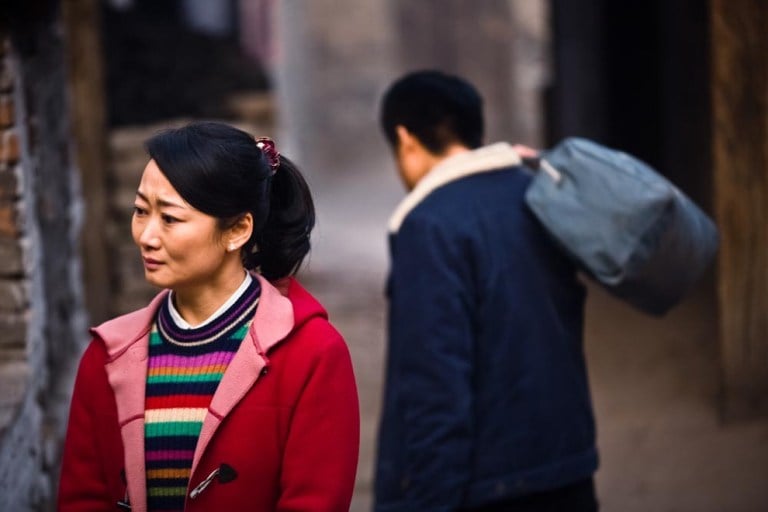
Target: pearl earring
[[231, 247]]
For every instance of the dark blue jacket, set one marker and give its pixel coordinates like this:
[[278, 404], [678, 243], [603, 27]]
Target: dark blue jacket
[[486, 391]]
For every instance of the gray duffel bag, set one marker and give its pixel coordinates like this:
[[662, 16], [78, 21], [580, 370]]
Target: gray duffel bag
[[624, 224]]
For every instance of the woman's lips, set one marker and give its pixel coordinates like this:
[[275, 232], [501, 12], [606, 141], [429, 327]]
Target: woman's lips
[[151, 264]]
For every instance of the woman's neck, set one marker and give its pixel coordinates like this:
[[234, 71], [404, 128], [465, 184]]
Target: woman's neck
[[196, 305]]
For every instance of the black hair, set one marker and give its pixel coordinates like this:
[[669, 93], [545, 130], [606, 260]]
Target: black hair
[[219, 170], [439, 109]]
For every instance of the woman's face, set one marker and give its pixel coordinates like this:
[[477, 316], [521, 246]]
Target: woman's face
[[181, 247]]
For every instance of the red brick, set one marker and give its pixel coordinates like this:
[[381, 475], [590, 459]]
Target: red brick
[[6, 76], [13, 296], [14, 329], [7, 112], [11, 260], [9, 220], [9, 147], [9, 185]]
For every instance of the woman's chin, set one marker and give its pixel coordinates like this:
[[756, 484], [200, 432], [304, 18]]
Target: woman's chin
[[153, 279]]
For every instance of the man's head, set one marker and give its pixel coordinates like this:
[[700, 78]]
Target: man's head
[[427, 116]]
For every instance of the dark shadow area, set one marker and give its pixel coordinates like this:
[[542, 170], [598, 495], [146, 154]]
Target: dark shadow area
[[635, 76], [156, 68]]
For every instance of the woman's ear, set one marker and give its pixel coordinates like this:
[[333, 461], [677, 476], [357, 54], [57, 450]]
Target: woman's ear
[[239, 233]]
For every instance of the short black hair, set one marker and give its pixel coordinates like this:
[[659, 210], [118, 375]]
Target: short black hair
[[437, 108], [221, 171]]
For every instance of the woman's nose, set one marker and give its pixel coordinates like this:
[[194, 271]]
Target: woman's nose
[[148, 235]]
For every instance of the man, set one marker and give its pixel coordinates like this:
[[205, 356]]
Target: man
[[486, 405]]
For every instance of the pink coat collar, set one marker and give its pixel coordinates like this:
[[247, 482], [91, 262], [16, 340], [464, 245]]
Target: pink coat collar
[[127, 343]]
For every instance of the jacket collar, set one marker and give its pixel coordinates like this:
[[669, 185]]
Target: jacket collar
[[272, 322], [487, 158], [127, 343]]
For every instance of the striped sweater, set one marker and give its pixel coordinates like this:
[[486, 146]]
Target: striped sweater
[[185, 368]]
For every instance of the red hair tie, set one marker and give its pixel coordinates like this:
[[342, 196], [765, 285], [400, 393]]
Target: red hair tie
[[267, 146]]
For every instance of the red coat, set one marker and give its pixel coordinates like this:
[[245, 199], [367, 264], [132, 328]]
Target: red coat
[[285, 416]]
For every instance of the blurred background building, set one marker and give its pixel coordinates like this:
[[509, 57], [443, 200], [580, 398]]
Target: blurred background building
[[680, 400]]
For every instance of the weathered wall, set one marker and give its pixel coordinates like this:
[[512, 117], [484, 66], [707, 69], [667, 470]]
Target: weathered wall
[[499, 45], [740, 141], [332, 61], [41, 316]]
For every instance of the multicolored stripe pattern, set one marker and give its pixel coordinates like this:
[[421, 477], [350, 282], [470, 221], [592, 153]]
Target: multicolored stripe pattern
[[185, 368]]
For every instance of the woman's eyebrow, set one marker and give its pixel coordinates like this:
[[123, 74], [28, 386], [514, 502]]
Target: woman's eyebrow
[[160, 202]]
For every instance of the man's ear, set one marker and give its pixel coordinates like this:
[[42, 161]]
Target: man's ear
[[406, 141]]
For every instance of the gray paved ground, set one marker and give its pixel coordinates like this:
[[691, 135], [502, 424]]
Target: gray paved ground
[[346, 271], [663, 447]]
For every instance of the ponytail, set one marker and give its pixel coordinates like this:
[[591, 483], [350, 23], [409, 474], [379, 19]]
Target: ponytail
[[283, 241]]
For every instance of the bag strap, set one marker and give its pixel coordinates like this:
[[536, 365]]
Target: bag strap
[[539, 163]]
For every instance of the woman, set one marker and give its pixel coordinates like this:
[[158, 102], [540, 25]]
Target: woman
[[230, 391]]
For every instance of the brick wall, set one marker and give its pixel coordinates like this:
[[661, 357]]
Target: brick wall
[[42, 324], [19, 414]]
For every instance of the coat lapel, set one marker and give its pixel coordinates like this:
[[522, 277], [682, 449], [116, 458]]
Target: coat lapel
[[127, 343], [128, 376], [273, 321]]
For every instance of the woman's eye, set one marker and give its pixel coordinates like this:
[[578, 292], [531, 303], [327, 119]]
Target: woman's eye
[[168, 219], [138, 210]]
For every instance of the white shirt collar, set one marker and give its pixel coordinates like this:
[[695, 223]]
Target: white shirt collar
[[180, 322]]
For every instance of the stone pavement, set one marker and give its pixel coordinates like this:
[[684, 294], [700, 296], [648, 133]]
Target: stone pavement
[[346, 271]]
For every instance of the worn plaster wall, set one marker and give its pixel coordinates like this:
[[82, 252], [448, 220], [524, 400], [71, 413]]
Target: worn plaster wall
[[42, 324]]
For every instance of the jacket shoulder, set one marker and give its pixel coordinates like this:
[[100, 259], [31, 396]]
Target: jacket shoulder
[[120, 332], [305, 305], [509, 182], [312, 322], [468, 200]]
